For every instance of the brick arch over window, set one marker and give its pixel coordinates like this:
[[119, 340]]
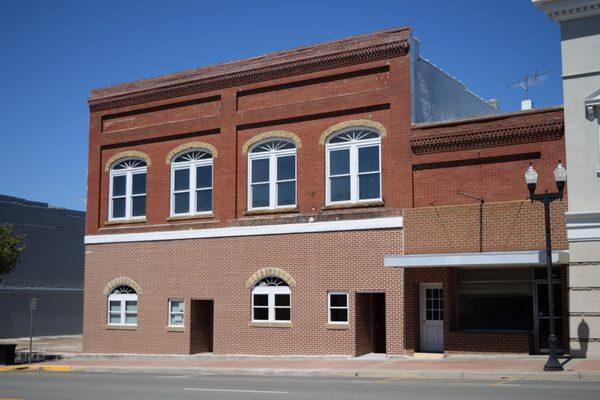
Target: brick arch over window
[[265, 272], [191, 145], [127, 154], [122, 280], [271, 134], [349, 124]]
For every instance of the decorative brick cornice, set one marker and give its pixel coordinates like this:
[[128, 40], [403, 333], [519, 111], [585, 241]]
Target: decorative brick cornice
[[500, 130], [127, 154], [122, 280], [352, 123], [266, 272], [354, 50], [192, 145], [271, 134]]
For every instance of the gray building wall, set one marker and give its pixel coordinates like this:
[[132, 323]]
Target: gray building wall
[[51, 269], [437, 96], [580, 46]]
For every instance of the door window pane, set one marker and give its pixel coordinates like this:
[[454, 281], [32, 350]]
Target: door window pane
[[204, 200], [260, 195], [204, 177], [286, 168], [260, 170], [368, 159], [182, 203], [139, 184], [182, 179], [340, 188], [286, 193], [339, 162], [119, 183]]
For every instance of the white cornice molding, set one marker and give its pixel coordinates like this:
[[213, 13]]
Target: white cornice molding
[[565, 10], [261, 230], [583, 226], [477, 260]]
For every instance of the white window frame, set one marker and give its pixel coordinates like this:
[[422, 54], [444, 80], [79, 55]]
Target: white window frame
[[353, 146], [271, 291], [171, 313], [272, 156], [330, 307], [122, 298], [128, 173], [191, 166]]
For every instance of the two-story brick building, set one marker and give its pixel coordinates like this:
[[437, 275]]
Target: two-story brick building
[[248, 208]]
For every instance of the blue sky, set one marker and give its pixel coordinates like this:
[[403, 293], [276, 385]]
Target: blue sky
[[53, 52]]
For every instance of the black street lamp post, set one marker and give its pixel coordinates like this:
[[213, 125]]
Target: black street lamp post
[[560, 176]]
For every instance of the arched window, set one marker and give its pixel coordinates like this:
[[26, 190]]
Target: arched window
[[271, 300], [122, 306], [127, 189], [353, 159], [191, 183], [272, 175]]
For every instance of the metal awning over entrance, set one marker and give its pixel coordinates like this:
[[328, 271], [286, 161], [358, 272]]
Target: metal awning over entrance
[[508, 259]]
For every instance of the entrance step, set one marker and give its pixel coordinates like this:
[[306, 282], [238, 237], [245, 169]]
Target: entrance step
[[428, 356]]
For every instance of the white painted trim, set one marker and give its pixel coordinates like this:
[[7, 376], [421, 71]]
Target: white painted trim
[[491, 259], [282, 229], [583, 226]]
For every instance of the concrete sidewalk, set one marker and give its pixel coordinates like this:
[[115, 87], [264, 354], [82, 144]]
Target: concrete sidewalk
[[453, 368]]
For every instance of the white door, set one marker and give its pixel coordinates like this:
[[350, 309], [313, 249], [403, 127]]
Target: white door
[[432, 317]]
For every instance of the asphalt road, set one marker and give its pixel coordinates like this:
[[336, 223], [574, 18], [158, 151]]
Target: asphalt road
[[82, 386]]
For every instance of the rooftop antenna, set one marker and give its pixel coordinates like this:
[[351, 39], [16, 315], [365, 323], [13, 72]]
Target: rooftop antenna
[[535, 79]]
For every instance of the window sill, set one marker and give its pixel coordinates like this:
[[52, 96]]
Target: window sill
[[362, 204], [175, 329], [189, 217], [341, 327], [122, 327], [125, 221], [271, 324], [287, 210]]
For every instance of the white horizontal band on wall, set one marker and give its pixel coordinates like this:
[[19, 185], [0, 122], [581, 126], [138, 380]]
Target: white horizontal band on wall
[[490, 259], [282, 229], [583, 226]]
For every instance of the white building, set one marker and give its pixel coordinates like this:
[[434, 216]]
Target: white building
[[580, 44]]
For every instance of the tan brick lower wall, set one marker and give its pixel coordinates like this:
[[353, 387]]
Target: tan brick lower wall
[[217, 269]]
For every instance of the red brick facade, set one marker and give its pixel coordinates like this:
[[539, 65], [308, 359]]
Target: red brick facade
[[304, 92]]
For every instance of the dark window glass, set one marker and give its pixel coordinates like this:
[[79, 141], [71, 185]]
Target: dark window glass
[[282, 314], [339, 162], [429, 315], [339, 315], [182, 179], [368, 159], [338, 300], [495, 312], [286, 193], [118, 208], [138, 206], [542, 273], [261, 300], [203, 177], [368, 186], [260, 195], [119, 185], [182, 203], [286, 168], [340, 188], [139, 184], [204, 200], [261, 313], [260, 170], [282, 300]]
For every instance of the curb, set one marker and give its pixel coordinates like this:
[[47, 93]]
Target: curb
[[367, 373], [49, 368]]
